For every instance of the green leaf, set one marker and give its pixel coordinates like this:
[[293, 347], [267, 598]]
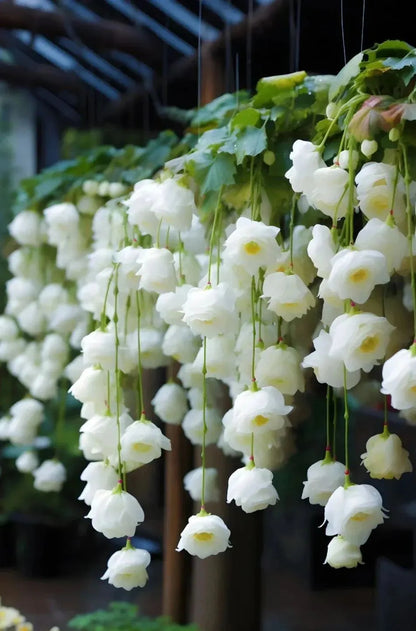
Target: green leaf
[[250, 142], [245, 118], [348, 72], [270, 87], [220, 173], [389, 48]]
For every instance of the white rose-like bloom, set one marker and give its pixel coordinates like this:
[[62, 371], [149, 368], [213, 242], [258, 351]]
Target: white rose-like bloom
[[92, 385], [210, 312], [99, 347], [193, 427], [128, 267], [8, 328], [20, 293], [378, 191], [321, 249], [44, 385], [220, 357], [399, 379], [385, 457], [175, 205], [359, 339], [204, 536], [169, 304], [260, 410], [289, 296], [51, 297], [193, 484], [342, 553], [306, 160], [328, 369], [27, 462], [30, 409], [385, 237], [156, 270], [115, 513], [102, 433], [21, 431], [251, 245], [180, 343], [151, 352], [354, 512], [170, 404], [141, 443], [140, 206], [61, 222], [97, 475], [127, 568], [330, 191], [26, 228], [355, 273], [279, 366], [31, 319], [252, 489], [322, 480], [50, 476]]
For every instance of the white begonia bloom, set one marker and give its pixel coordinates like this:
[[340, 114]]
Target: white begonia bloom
[[193, 426], [189, 377], [54, 348], [30, 409], [170, 404], [108, 227], [26, 228], [289, 296], [140, 206], [379, 190], [156, 270], [279, 366], [259, 411], [342, 553], [97, 475], [44, 386], [211, 311], [204, 536], [50, 476], [252, 489], [10, 617], [193, 484], [11, 350], [51, 297], [116, 189], [251, 245], [151, 352], [354, 512], [306, 160], [74, 369], [27, 462], [180, 343], [20, 293], [115, 513], [322, 480], [329, 369], [194, 239], [220, 357], [4, 427], [330, 191], [128, 267], [61, 222], [321, 249], [99, 347], [31, 319], [8, 328], [169, 304], [355, 273], [385, 237], [175, 205], [127, 568], [343, 159], [102, 433], [385, 457], [399, 379], [92, 385], [359, 340], [141, 443]]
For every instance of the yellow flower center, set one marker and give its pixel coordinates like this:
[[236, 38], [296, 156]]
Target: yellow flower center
[[359, 517], [252, 247], [369, 344], [203, 536], [260, 420], [141, 447], [359, 276]]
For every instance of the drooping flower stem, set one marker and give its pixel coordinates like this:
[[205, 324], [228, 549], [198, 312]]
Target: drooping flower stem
[[346, 428], [253, 324], [214, 232], [140, 402], [386, 420], [117, 373], [103, 316], [108, 392], [204, 420], [334, 426], [292, 227], [328, 401], [410, 232]]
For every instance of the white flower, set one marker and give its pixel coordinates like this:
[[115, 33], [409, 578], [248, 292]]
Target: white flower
[[50, 476], [115, 513], [220, 357], [385, 237], [30, 409], [156, 270], [252, 489], [44, 386], [26, 228], [322, 480], [169, 304], [61, 222], [174, 205], [399, 379], [140, 206], [193, 426], [353, 512], [27, 462], [379, 191], [20, 293], [359, 340], [321, 249], [91, 385], [151, 351], [342, 553], [193, 484], [329, 191], [99, 347], [142, 442], [31, 319], [259, 411], [180, 343], [204, 536], [102, 433], [251, 245], [289, 296], [127, 568], [97, 475], [8, 328], [279, 366], [355, 273], [306, 160], [170, 404], [209, 312], [328, 369], [385, 457]]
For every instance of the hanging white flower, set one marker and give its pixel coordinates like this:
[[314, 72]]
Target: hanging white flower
[[193, 426], [142, 442], [323, 477], [50, 476], [279, 366], [385, 457], [92, 385], [321, 249], [115, 513], [354, 512], [252, 488], [31, 319], [379, 190], [342, 553], [151, 350], [156, 270], [8, 328], [259, 410], [102, 433], [97, 475], [127, 568], [27, 462], [140, 206], [385, 237], [399, 379], [355, 273], [220, 357], [99, 347], [330, 191], [289, 296], [170, 403], [210, 311], [174, 204], [26, 228], [193, 484], [180, 343], [61, 222], [204, 535], [306, 160], [251, 245]]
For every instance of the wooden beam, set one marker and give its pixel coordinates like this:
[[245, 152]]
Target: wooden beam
[[40, 75], [101, 34]]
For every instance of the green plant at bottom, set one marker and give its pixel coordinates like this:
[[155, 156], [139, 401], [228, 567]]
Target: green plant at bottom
[[122, 616]]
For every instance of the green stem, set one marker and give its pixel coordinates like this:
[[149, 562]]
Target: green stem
[[139, 358], [204, 420], [292, 227], [213, 232], [328, 436], [103, 317], [334, 426], [410, 232], [117, 373], [346, 427]]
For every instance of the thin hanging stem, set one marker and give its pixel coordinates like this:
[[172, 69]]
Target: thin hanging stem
[[346, 430], [204, 420], [328, 434], [139, 359], [410, 233], [213, 233], [103, 317], [117, 375], [253, 324]]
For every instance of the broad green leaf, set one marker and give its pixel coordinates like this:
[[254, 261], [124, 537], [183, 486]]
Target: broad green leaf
[[269, 88], [250, 142], [348, 72], [220, 173], [245, 118]]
